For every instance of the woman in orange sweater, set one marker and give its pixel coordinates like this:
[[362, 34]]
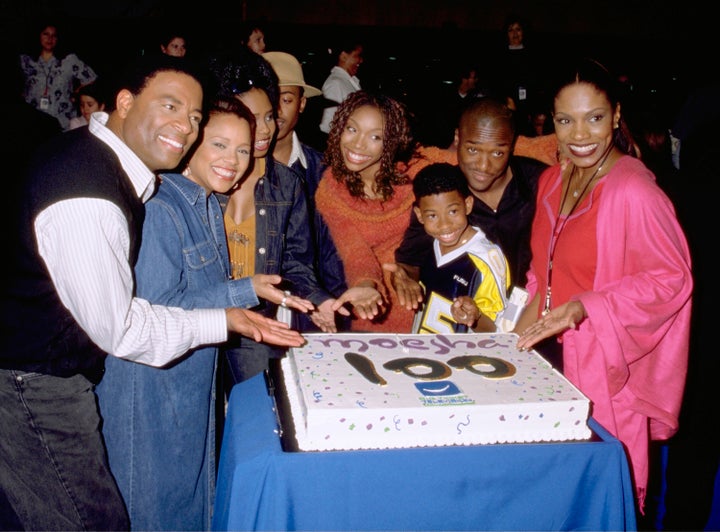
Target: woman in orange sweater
[[366, 199]]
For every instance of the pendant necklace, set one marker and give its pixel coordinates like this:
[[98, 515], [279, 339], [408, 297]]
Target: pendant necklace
[[559, 225]]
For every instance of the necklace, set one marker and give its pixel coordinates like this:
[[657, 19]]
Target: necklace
[[576, 192], [559, 224]]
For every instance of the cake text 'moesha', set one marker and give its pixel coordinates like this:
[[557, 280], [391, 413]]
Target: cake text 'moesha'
[[436, 344]]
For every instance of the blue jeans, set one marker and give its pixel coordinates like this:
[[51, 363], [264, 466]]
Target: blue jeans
[[53, 467]]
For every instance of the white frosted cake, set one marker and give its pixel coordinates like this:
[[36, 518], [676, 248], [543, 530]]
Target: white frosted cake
[[368, 391]]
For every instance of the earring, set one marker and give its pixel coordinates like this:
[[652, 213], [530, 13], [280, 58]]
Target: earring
[[617, 125], [186, 172]]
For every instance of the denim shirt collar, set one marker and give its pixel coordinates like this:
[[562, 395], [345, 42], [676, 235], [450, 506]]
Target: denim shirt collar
[[190, 190]]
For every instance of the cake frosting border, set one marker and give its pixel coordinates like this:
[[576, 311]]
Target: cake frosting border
[[544, 419]]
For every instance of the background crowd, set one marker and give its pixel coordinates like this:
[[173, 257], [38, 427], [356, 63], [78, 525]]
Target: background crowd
[[434, 89]]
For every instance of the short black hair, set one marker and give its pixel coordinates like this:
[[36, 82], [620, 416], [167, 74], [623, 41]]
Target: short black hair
[[248, 27], [171, 30], [437, 178], [348, 43], [95, 89], [138, 73]]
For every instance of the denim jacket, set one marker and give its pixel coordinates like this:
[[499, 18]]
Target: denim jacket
[[284, 245], [284, 242], [181, 217], [329, 266], [159, 423]]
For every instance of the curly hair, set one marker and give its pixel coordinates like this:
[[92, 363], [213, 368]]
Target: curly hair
[[397, 138]]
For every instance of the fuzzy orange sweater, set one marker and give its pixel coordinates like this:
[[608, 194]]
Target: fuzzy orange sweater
[[366, 234]]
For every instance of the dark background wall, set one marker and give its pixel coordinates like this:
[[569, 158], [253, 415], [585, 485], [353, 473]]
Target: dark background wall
[[650, 30], [627, 17], [664, 47]]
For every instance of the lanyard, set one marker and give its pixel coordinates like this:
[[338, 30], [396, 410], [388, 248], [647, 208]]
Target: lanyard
[[560, 223]]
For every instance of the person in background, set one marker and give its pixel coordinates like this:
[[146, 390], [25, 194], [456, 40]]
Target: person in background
[[366, 199], [539, 120], [159, 423], [29, 124], [308, 161], [266, 217], [700, 107], [342, 79], [610, 274], [90, 98], [518, 67], [693, 455], [468, 277], [252, 36], [650, 131], [51, 79], [69, 298], [174, 43], [438, 122]]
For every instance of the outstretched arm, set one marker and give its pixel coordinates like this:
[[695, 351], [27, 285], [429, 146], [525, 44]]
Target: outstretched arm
[[264, 285], [261, 328]]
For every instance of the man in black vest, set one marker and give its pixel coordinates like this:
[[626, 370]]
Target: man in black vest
[[68, 299]]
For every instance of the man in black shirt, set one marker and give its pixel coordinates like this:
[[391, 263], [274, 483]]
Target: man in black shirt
[[504, 186]]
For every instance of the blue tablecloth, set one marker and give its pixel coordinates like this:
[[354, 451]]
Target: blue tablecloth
[[545, 486]]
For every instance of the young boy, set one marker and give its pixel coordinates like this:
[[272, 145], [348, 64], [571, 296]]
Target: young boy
[[467, 280]]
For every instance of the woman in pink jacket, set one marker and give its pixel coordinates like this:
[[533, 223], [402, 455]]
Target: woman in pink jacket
[[610, 275]]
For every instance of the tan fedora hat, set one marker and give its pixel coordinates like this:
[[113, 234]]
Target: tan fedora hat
[[289, 72]]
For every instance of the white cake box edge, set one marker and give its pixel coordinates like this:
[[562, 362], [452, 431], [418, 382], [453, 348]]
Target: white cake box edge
[[542, 419]]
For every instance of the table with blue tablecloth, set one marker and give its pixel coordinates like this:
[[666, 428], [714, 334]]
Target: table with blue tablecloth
[[545, 486]]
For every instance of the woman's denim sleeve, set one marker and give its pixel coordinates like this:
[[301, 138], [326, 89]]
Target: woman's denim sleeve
[[168, 272]]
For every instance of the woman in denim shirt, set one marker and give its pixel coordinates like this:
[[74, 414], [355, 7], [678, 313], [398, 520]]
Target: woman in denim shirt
[[266, 218], [159, 423]]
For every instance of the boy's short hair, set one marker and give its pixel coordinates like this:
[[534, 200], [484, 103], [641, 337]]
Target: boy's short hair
[[437, 178], [95, 90]]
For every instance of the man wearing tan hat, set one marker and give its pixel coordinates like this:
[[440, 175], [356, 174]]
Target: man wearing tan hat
[[294, 93], [308, 162]]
